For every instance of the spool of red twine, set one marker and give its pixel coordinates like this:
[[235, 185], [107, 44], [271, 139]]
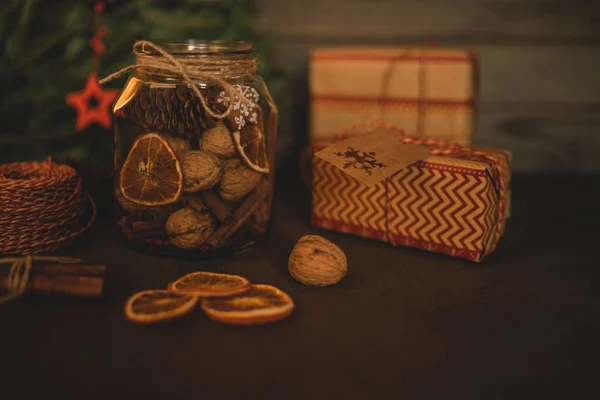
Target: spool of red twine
[[42, 206]]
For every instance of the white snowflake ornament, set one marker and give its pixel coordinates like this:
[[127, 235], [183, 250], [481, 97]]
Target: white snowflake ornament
[[245, 111]]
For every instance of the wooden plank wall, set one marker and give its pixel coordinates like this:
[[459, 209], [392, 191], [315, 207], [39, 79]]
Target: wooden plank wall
[[539, 63]]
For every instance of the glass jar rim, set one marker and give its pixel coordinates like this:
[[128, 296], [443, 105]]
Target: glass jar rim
[[202, 48]]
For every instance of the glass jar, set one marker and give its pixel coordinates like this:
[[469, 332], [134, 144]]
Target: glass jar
[[194, 168]]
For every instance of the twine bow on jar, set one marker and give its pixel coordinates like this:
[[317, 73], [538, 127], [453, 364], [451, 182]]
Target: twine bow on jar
[[209, 68]]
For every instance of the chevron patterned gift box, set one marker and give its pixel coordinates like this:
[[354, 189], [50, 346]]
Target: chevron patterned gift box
[[446, 203]]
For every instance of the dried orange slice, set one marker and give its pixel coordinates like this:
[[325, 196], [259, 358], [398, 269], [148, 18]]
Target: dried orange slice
[[250, 145], [210, 284], [158, 305], [260, 305], [151, 174]]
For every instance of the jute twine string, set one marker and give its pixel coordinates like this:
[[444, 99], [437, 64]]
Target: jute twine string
[[41, 206], [18, 275], [190, 70], [387, 75]]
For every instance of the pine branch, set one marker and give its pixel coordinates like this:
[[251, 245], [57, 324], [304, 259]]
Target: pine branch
[[39, 51], [8, 8], [21, 27]]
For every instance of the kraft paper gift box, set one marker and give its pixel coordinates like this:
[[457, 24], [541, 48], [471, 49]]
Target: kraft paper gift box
[[455, 201], [426, 92]]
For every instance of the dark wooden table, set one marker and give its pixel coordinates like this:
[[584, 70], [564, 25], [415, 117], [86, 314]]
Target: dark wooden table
[[403, 323]]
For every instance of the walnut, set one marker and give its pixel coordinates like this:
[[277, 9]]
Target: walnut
[[128, 205], [218, 141], [179, 144], [237, 181], [317, 261], [189, 229], [201, 170]]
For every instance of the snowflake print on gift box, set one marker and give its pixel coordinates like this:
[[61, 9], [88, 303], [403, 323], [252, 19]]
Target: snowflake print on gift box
[[365, 161], [246, 110]]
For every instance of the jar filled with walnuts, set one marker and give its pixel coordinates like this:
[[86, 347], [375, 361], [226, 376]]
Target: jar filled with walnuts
[[195, 131]]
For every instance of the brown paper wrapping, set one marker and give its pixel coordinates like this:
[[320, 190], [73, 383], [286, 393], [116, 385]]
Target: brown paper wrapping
[[426, 92]]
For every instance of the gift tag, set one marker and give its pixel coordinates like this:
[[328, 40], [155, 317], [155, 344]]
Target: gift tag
[[373, 156]]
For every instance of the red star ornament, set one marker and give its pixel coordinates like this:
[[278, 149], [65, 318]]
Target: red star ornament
[[96, 42], [99, 6], [88, 113]]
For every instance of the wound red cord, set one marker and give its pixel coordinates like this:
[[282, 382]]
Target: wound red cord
[[42, 205]]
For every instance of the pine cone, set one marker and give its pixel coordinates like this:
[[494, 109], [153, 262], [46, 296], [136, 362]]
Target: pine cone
[[177, 111]]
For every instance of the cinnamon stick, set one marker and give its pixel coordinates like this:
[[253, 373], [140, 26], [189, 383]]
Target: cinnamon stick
[[140, 226], [240, 216], [197, 205], [62, 279], [216, 205], [143, 229]]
